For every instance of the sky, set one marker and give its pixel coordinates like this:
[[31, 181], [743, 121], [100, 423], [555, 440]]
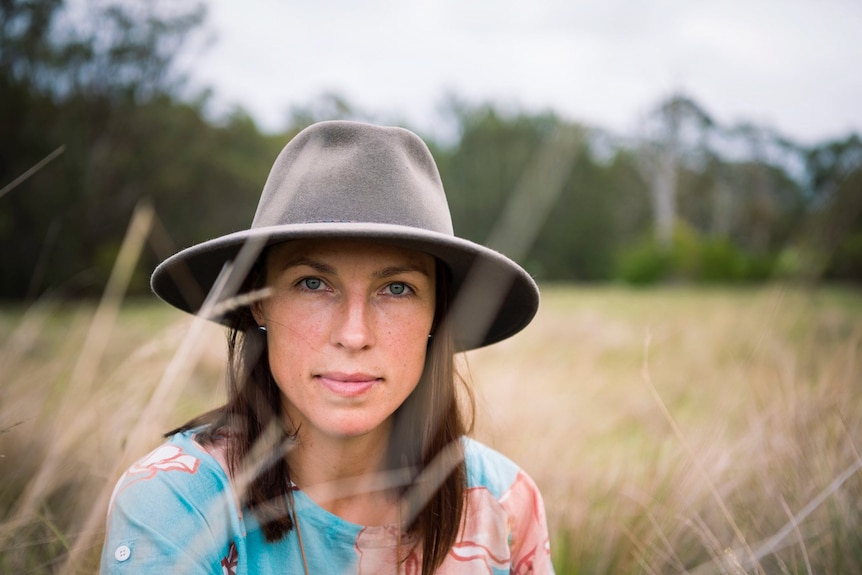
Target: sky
[[792, 65]]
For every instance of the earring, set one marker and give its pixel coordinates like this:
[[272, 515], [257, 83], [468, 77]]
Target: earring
[[262, 328], [430, 336]]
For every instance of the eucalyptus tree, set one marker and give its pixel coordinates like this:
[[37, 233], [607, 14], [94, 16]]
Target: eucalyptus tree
[[675, 135]]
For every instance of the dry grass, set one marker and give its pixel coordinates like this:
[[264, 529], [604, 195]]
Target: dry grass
[[680, 430], [81, 438], [701, 431]]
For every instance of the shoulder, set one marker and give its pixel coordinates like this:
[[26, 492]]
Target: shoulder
[[489, 468], [505, 513], [179, 468], [507, 483], [173, 506]]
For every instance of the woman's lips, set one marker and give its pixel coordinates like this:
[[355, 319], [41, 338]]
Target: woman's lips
[[347, 384]]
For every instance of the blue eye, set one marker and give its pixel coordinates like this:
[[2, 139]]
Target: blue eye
[[397, 288], [312, 284]]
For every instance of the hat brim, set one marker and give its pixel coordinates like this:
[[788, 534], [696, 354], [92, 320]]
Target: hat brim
[[494, 297]]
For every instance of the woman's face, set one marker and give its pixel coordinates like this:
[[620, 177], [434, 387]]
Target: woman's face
[[347, 327]]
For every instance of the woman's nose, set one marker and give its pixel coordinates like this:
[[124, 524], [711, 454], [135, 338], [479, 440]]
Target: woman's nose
[[353, 327]]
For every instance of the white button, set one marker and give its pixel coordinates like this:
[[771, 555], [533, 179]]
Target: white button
[[122, 553]]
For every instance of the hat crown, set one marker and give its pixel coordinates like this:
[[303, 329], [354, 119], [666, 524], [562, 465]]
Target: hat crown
[[349, 172]]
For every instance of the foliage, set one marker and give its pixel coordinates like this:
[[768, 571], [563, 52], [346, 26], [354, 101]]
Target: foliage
[[835, 223], [692, 258], [107, 96], [596, 208], [846, 262]]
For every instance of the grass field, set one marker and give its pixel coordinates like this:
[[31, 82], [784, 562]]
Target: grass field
[[674, 430]]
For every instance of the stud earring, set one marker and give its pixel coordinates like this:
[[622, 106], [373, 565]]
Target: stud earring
[[262, 328]]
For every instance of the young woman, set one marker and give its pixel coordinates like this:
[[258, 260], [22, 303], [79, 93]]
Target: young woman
[[342, 447]]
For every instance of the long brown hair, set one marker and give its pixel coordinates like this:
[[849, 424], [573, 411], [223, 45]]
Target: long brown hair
[[426, 436]]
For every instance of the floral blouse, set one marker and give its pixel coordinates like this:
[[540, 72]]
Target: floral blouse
[[175, 511]]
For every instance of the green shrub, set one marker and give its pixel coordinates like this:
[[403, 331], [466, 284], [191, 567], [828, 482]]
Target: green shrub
[[846, 262], [645, 264], [692, 258]]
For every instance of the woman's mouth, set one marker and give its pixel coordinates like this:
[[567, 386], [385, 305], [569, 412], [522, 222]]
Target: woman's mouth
[[347, 384]]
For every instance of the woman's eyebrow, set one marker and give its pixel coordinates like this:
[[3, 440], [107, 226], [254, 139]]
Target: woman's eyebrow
[[324, 268], [390, 271], [316, 265]]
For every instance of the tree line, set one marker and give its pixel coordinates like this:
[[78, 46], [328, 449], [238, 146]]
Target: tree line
[[95, 119]]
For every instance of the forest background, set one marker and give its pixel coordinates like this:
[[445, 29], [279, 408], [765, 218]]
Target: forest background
[[99, 105]]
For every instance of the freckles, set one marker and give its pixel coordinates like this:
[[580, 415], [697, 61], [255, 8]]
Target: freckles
[[302, 328]]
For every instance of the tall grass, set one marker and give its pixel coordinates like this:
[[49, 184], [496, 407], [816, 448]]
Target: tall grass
[[686, 430], [79, 437], [671, 430]]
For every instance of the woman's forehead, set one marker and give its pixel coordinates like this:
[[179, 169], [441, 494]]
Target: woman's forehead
[[340, 251]]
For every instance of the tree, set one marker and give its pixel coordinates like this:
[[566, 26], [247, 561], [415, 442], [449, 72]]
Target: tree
[[674, 135], [746, 192], [529, 185], [78, 82], [483, 167], [833, 239]]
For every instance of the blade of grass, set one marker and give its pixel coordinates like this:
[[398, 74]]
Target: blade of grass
[[647, 377], [84, 372], [175, 376], [29, 173], [515, 232]]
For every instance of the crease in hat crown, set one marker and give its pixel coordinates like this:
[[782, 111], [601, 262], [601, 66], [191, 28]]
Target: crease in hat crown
[[343, 179], [347, 172]]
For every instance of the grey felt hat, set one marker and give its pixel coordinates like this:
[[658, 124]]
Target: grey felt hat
[[355, 180]]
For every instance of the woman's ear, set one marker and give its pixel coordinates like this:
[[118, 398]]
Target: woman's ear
[[257, 279], [257, 312]]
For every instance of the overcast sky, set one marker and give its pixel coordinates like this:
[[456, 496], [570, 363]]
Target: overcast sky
[[795, 65]]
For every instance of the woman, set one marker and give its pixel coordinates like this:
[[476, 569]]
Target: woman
[[342, 447]]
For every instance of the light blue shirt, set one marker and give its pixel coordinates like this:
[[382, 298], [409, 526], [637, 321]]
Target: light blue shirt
[[175, 511]]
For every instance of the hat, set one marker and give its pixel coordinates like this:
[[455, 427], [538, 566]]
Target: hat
[[355, 180]]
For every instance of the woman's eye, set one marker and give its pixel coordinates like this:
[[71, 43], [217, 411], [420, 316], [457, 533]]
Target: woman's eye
[[398, 288], [312, 284]]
